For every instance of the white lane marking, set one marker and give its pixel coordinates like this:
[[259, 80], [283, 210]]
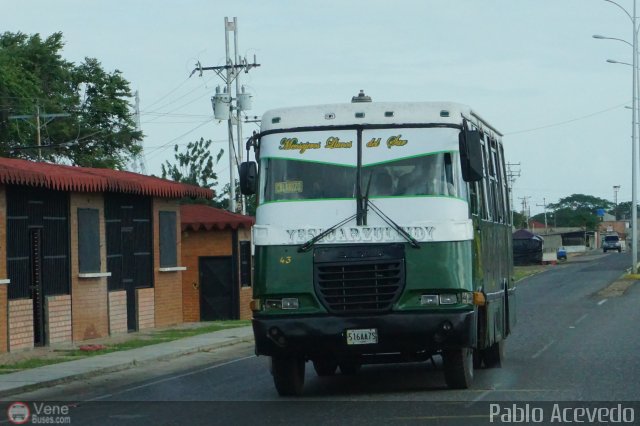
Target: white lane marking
[[537, 354], [479, 397], [579, 320], [166, 379], [600, 303]]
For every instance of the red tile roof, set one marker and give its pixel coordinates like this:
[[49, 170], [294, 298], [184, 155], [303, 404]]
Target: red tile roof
[[197, 216], [86, 179]]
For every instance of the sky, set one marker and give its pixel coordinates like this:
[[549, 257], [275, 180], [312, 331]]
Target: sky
[[529, 67]]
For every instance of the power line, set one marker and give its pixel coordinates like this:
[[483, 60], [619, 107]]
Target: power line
[[566, 121], [169, 93], [155, 151]]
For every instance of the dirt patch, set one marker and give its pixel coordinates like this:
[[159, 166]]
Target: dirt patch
[[616, 289]]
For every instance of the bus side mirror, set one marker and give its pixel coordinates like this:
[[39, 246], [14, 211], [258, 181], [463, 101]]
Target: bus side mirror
[[471, 155], [248, 177]]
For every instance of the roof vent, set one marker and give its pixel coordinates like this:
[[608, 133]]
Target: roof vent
[[361, 98]]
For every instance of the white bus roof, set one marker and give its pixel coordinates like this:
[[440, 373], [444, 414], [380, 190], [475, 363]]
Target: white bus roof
[[375, 113]]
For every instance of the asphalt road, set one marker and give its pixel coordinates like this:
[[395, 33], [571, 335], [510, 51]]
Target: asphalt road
[[569, 345]]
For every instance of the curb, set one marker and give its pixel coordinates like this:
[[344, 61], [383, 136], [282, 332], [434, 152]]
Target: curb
[[119, 367]]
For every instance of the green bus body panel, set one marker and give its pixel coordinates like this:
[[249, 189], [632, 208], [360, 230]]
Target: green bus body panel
[[492, 273], [482, 264], [281, 271]]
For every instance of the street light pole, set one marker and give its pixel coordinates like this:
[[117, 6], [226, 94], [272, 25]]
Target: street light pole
[[634, 159], [635, 122], [616, 188]]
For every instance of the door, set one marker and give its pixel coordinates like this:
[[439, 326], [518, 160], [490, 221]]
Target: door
[[218, 295], [37, 244], [129, 253], [35, 258]]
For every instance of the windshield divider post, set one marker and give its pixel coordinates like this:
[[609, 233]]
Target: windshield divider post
[[360, 217]]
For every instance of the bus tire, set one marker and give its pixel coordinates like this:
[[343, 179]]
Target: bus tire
[[325, 366], [493, 356], [349, 367], [477, 359], [288, 374], [458, 367]]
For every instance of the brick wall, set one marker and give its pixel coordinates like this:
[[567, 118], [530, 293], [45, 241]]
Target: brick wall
[[4, 307], [195, 244], [20, 324], [145, 308], [215, 242], [168, 285], [58, 319], [117, 312], [90, 315], [4, 317], [246, 293]]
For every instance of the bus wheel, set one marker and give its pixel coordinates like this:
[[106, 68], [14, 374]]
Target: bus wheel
[[349, 367], [288, 374], [477, 359], [494, 355], [325, 366], [458, 367]]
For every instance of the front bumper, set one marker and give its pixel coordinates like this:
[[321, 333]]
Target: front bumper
[[397, 333]]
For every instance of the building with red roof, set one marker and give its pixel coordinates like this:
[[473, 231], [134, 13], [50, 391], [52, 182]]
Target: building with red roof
[[216, 250], [89, 252]]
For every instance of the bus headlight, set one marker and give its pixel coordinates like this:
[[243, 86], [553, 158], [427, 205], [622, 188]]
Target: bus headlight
[[284, 303], [448, 299], [429, 299], [290, 303], [466, 298]]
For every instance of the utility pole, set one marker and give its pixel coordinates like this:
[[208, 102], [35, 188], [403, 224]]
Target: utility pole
[[230, 26], [138, 164], [525, 209], [37, 116], [544, 205], [223, 102], [616, 188], [511, 179]]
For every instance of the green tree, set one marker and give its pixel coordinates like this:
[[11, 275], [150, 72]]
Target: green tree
[[578, 202], [578, 210], [624, 210], [99, 131], [222, 200], [195, 166], [519, 221]]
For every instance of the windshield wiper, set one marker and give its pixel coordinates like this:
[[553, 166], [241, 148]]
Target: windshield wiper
[[306, 246], [390, 222], [365, 202]]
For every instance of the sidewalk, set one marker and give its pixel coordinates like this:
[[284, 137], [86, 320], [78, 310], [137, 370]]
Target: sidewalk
[[50, 375]]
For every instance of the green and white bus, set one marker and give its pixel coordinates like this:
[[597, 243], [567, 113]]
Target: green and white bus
[[382, 235]]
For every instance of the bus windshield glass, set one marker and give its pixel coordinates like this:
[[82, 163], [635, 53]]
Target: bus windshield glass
[[434, 174]]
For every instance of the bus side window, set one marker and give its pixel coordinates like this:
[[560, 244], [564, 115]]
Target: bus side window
[[450, 184], [474, 199], [504, 185], [496, 183], [485, 186]]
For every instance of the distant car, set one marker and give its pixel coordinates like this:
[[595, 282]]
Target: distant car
[[611, 242], [561, 254]]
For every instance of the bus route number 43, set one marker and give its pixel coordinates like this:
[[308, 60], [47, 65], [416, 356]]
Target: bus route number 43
[[362, 336]]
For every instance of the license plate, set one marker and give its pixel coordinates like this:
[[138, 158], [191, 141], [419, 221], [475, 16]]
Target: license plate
[[365, 336]]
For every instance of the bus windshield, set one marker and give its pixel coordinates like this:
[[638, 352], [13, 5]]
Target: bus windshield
[[434, 174]]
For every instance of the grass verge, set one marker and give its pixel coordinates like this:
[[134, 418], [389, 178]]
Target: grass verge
[[152, 338], [522, 272]]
